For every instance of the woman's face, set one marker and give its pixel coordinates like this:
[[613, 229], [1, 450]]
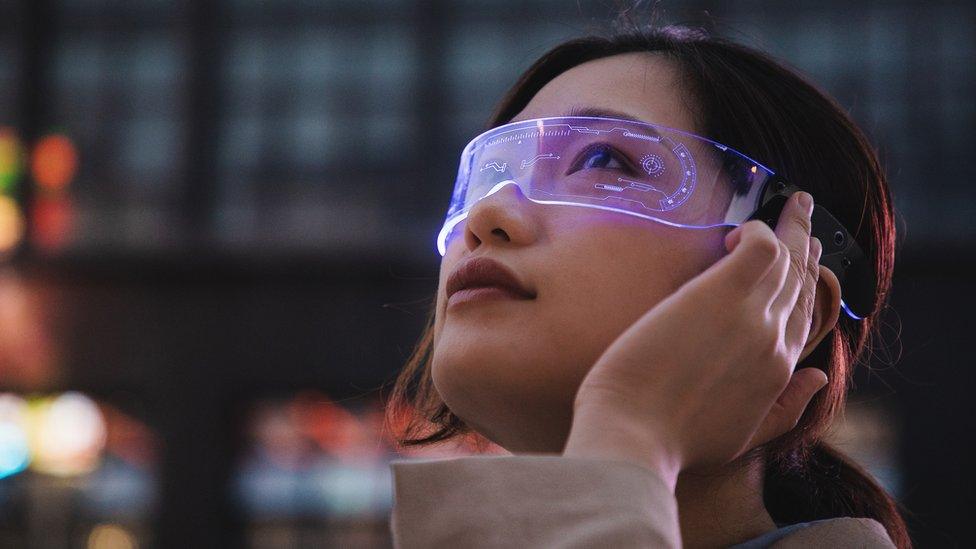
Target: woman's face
[[511, 368]]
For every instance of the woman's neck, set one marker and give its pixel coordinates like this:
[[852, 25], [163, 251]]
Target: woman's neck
[[722, 506]]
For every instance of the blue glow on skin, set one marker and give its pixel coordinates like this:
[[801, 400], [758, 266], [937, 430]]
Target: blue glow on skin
[[451, 223]]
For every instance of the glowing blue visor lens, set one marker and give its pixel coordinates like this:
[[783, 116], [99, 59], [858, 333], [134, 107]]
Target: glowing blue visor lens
[[624, 166]]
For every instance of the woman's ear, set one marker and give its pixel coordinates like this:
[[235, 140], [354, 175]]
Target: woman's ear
[[826, 309]]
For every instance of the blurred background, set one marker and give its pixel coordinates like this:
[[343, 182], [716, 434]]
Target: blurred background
[[217, 225]]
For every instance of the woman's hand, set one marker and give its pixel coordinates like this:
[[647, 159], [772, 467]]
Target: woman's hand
[[694, 381]]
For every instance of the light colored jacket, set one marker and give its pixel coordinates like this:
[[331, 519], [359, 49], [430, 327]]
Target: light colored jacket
[[554, 501]]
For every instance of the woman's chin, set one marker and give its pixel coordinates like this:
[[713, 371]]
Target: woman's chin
[[520, 404]]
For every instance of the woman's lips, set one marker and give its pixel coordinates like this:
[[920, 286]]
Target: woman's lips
[[483, 293]]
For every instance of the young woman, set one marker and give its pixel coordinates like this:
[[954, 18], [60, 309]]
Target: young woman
[[659, 380]]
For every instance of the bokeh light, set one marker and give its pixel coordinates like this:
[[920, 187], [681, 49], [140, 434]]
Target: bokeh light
[[111, 536], [67, 434], [12, 225], [11, 159], [14, 449], [52, 218], [30, 353], [54, 162]]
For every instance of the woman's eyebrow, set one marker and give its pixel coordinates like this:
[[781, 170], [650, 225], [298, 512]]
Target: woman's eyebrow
[[584, 110]]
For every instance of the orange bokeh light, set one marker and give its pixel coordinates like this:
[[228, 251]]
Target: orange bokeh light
[[54, 162]]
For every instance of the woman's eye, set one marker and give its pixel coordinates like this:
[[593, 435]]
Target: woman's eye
[[603, 156]]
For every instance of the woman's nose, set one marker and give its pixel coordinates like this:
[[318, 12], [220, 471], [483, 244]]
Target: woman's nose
[[502, 218]]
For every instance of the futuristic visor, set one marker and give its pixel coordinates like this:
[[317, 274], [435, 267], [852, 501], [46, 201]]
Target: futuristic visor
[[648, 171]]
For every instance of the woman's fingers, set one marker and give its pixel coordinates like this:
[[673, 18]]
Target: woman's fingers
[[782, 284], [796, 234], [798, 325], [771, 284], [753, 249]]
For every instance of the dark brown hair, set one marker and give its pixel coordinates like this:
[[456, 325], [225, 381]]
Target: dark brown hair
[[749, 101]]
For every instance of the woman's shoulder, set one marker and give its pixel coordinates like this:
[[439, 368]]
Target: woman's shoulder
[[832, 532]]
